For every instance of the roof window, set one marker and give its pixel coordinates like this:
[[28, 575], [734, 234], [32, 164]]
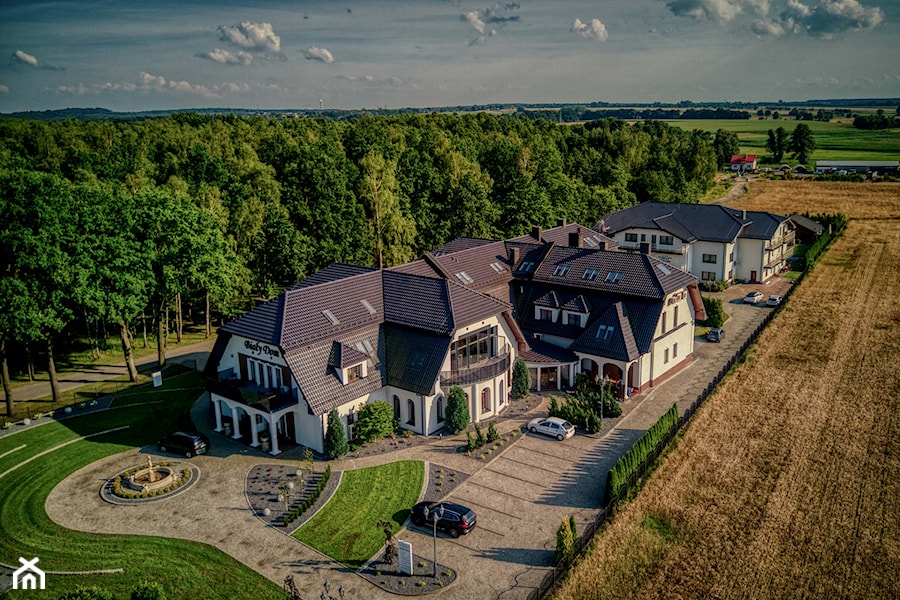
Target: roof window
[[665, 270], [605, 332], [613, 277], [590, 274], [368, 306], [590, 242], [464, 277], [527, 266], [561, 270], [497, 267], [330, 316]]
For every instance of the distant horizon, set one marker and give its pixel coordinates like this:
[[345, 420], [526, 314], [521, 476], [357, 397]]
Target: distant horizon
[[172, 55]]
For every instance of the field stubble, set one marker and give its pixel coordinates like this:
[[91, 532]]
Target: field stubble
[[787, 483]]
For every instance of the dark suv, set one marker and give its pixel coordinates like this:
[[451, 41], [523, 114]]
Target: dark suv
[[456, 519], [189, 443]]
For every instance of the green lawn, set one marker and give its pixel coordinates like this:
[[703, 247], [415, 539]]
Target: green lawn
[[345, 529], [185, 569], [834, 140]]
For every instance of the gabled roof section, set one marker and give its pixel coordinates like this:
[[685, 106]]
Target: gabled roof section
[[415, 358], [708, 222], [416, 267], [333, 272], [807, 223], [743, 159], [417, 301], [479, 267], [461, 243], [761, 225], [470, 306], [620, 273], [343, 356], [544, 352], [578, 304], [263, 323], [609, 336], [530, 256], [550, 300], [325, 310]]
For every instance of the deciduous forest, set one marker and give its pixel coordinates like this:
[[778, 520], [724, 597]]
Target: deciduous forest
[[110, 224]]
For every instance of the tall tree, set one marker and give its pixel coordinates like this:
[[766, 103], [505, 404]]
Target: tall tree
[[776, 143], [394, 232], [802, 143], [725, 145]]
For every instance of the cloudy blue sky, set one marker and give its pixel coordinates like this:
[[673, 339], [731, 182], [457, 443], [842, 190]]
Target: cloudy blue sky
[[267, 54]]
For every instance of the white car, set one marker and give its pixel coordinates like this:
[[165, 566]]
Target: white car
[[774, 300], [753, 298], [553, 426]]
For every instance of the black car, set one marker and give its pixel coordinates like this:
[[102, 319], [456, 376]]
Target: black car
[[189, 443], [456, 519]]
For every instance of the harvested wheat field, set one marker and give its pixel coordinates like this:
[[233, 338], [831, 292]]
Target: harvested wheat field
[[787, 483], [856, 200]]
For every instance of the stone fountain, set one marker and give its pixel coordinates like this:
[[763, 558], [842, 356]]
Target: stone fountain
[[151, 478]]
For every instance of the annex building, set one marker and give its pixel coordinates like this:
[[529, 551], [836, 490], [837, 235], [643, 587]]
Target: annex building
[[566, 300]]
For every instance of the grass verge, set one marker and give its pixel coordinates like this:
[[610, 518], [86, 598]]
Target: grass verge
[[345, 529], [185, 569]]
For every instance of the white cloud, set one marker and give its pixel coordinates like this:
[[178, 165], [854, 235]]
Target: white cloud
[[227, 57], [367, 77], [25, 58], [841, 15], [767, 27], [474, 19], [497, 14], [594, 30], [719, 11], [318, 54], [4, 89], [148, 82], [254, 36]]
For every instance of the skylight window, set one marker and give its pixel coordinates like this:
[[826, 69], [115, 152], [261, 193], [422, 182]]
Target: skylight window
[[464, 277], [613, 277], [590, 242], [368, 306], [665, 270], [590, 274], [497, 267], [527, 266], [605, 332], [561, 270], [330, 316]]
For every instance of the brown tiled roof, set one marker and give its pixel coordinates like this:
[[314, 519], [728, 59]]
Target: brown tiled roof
[[416, 267], [545, 352], [486, 265], [343, 356], [621, 344], [461, 243], [549, 299], [560, 236], [577, 304]]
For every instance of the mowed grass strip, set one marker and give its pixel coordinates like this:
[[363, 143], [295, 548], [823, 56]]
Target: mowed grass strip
[[185, 569], [345, 529], [787, 483]]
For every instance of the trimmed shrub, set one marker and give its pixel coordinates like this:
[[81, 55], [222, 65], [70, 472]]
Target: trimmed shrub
[[715, 313], [565, 544], [479, 437], [375, 421], [336, 438], [492, 435], [457, 412], [148, 590], [521, 379], [714, 286], [630, 463]]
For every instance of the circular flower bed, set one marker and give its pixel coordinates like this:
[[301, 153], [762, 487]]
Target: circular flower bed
[[115, 490]]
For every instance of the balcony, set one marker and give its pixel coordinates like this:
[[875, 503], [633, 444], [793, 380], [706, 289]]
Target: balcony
[[251, 394], [483, 371], [776, 243]]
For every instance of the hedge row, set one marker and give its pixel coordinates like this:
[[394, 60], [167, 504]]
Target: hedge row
[[631, 462], [835, 224], [294, 513]]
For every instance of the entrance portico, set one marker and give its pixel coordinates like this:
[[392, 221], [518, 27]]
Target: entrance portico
[[265, 426]]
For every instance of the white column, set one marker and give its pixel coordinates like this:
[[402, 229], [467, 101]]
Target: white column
[[273, 435], [538, 382], [558, 383], [236, 423], [218, 408], [253, 433]]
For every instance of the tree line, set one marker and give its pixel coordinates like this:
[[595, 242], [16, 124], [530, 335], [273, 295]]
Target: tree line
[[111, 224]]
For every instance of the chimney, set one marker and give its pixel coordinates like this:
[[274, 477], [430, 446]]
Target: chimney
[[601, 245], [575, 238], [560, 222], [513, 257], [645, 247], [744, 214], [536, 232]]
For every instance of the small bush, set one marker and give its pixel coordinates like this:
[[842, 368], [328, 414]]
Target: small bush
[[148, 590], [492, 435]]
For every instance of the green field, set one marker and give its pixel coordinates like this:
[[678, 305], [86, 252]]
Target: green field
[[835, 140], [185, 569]]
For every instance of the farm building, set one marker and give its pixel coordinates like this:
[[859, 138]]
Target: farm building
[[843, 167]]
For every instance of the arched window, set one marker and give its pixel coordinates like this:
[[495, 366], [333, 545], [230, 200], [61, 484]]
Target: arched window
[[502, 393], [440, 409], [397, 407], [411, 410], [486, 400]]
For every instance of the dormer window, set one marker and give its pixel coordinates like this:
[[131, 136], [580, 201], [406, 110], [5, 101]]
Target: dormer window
[[605, 332], [573, 319], [353, 373]]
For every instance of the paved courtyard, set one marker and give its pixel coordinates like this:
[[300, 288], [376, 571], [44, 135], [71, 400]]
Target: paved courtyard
[[520, 496]]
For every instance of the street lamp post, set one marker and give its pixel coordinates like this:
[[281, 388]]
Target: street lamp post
[[435, 517]]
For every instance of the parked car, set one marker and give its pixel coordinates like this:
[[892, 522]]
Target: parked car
[[553, 426], [715, 335], [774, 300], [189, 443], [753, 298], [455, 519]]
